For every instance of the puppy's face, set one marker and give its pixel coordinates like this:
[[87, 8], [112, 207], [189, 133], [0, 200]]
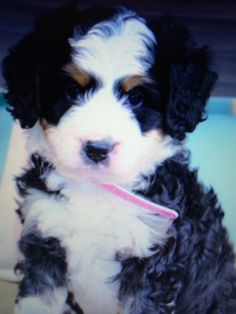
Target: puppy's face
[[109, 130], [112, 98]]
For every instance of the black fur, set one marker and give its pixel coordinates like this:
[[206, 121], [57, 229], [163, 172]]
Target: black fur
[[183, 73], [34, 177], [44, 266], [33, 70], [73, 305], [195, 270]]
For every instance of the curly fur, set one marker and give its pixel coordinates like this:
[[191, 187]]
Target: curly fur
[[83, 250]]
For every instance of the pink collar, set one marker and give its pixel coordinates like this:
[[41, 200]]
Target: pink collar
[[140, 201]]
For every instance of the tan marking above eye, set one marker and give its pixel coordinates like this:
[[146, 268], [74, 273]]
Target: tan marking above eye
[[45, 125], [157, 135], [133, 81], [78, 74]]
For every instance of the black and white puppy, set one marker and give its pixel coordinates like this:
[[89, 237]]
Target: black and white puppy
[[107, 98]]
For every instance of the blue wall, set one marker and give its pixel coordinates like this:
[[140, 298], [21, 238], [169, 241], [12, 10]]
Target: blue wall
[[213, 147], [5, 133]]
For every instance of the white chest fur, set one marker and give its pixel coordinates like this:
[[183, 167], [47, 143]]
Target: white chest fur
[[94, 226]]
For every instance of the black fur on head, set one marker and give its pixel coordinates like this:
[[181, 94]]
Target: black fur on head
[[35, 80], [184, 73], [32, 60]]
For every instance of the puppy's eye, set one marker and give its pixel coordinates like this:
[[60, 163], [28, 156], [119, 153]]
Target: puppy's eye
[[135, 98], [72, 91]]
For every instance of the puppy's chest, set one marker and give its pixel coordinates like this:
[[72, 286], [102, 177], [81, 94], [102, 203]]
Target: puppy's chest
[[100, 234], [98, 230], [108, 230], [102, 220]]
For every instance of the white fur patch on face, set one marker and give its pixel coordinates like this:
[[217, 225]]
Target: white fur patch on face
[[124, 53]]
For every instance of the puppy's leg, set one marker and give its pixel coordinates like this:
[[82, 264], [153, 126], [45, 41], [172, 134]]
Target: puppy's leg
[[43, 287]]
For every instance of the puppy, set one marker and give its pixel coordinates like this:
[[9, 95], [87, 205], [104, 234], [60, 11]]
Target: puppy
[[106, 100]]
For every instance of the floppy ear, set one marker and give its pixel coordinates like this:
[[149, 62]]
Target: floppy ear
[[191, 82], [184, 74], [28, 65], [19, 70]]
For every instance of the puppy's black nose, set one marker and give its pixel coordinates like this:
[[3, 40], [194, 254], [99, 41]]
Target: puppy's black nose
[[98, 151]]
